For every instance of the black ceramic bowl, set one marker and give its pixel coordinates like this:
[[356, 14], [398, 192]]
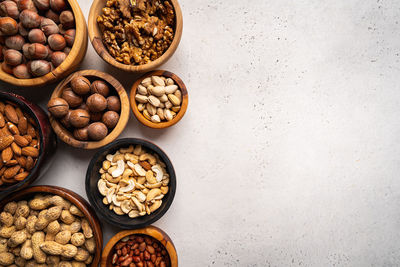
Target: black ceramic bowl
[[96, 199], [48, 142]]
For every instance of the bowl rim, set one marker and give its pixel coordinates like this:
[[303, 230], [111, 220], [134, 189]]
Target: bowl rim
[[90, 215], [160, 235], [19, 100], [184, 104], [67, 137], [103, 210], [65, 67], [97, 43]]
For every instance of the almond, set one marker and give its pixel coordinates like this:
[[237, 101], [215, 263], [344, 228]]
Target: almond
[[30, 151], [2, 121], [19, 112], [28, 137], [11, 114], [21, 141], [5, 141], [13, 129], [16, 149], [23, 125], [145, 165], [11, 163], [7, 154], [31, 131], [21, 176], [11, 172], [21, 161], [29, 163]]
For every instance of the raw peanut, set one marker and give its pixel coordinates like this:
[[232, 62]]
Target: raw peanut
[[81, 255], [26, 250], [63, 237], [69, 251], [6, 232], [38, 203], [6, 218], [21, 141], [5, 141], [75, 211], [37, 241], [52, 230], [87, 230], [67, 217], [90, 245], [11, 114], [6, 258], [30, 151], [20, 223], [16, 149], [51, 247], [78, 239], [17, 238], [11, 207]]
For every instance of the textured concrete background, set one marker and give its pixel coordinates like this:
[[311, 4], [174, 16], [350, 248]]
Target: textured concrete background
[[289, 152]]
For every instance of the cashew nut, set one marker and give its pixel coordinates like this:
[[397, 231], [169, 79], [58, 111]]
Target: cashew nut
[[153, 193], [158, 171], [120, 168], [130, 187], [102, 186]]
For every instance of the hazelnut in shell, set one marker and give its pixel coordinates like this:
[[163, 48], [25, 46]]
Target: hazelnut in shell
[[9, 9], [39, 67], [72, 99], [21, 72], [83, 106], [67, 50], [53, 16], [79, 118], [65, 120], [97, 131], [57, 58], [96, 116], [69, 37], [57, 42], [81, 134], [26, 5], [113, 103], [29, 19], [36, 36], [8, 26], [67, 19], [96, 103], [58, 5], [110, 119], [12, 57], [80, 85], [36, 51], [42, 4], [7, 68], [15, 42], [100, 87], [49, 27], [22, 31], [58, 107]]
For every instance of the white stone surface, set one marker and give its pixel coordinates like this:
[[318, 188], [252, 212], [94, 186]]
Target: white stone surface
[[289, 152]]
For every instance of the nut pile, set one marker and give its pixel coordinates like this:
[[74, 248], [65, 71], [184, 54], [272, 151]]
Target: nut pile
[[19, 144], [141, 250], [36, 36], [133, 181], [46, 230], [88, 110], [159, 98], [136, 34]]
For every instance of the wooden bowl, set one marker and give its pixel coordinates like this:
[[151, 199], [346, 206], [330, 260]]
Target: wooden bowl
[[152, 231], [67, 136], [75, 199], [96, 199], [96, 40], [48, 142], [179, 115], [72, 61]]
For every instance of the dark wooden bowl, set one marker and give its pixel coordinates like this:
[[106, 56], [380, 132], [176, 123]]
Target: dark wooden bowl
[[179, 115], [48, 142], [96, 40], [96, 199], [72, 61], [152, 231], [66, 136], [75, 199]]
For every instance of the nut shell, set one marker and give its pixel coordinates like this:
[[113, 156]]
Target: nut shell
[[29, 19], [97, 131], [80, 85], [72, 99], [110, 119], [67, 19], [57, 42], [81, 134], [57, 58], [15, 42], [79, 118], [12, 57], [70, 37], [100, 87], [36, 36], [58, 107], [96, 103], [113, 103], [21, 71], [39, 67], [58, 5], [8, 26]]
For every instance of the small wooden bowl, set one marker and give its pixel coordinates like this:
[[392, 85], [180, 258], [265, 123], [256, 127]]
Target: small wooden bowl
[[96, 199], [75, 199], [179, 115], [96, 40], [72, 61], [48, 142], [67, 136], [152, 231]]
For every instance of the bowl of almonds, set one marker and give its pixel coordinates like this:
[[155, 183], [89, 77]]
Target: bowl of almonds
[[131, 183], [159, 99], [26, 143]]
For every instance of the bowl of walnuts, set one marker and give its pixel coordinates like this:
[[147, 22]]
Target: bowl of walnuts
[[88, 109], [41, 40]]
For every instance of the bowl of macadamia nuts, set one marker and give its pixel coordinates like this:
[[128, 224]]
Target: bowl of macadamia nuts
[[48, 226], [41, 41], [89, 109], [159, 99]]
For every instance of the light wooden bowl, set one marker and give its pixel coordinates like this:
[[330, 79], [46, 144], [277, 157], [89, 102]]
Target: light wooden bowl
[[179, 115], [72, 61], [95, 38], [75, 199], [67, 136], [152, 231]]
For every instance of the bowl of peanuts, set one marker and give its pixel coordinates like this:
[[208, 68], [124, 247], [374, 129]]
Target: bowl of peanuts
[[48, 226], [149, 246], [26, 143]]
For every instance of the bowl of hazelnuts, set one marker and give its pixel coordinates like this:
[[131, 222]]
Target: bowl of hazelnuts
[[41, 41], [89, 109]]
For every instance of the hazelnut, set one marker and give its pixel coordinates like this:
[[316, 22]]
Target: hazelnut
[[67, 19], [37, 51], [113, 103], [97, 131], [79, 118], [36, 36], [8, 26], [81, 134], [26, 5], [80, 85], [67, 50], [65, 120], [70, 37], [15, 42], [12, 57], [100, 87], [22, 31], [49, 27], [7, 68], [96, 116], [50, 53], [57, 58], [21, 72], [96, 103], [39, 67], [83, 106], [58, 107], [9, 9], [42, 4], [29, 19], [110, 119], [72, 99], [58, 5], [56, 42], [53, 16]]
